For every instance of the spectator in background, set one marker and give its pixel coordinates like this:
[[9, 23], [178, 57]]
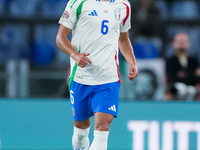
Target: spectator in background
[[181, 68], [144, 11], [147, 40], [180, 91], [145, 8]]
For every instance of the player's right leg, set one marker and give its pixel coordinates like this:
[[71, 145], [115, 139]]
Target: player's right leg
[[80, 138], [80, 97]]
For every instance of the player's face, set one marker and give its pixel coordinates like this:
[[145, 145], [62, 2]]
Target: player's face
[[181, 42]]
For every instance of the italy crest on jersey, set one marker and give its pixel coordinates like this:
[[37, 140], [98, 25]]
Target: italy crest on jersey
[[117, 13]]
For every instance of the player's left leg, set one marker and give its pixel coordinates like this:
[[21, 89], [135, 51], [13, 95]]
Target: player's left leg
[[101, 131], [105, 102]]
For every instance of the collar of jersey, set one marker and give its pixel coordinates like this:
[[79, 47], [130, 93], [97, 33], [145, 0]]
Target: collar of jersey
[[111, 1]]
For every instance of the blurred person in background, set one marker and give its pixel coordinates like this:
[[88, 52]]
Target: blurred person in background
[[146, 33], [180, 91], [144, 11], [147, 8], [182, 68], [144, 8]]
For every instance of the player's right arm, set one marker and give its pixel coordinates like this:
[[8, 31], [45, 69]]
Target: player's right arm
[[67, 21], [65, 45]]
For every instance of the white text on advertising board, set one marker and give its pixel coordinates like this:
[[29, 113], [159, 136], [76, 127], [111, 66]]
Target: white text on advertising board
[[182, 128]]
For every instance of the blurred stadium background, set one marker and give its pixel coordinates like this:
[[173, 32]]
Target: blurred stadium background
[[35, 108]]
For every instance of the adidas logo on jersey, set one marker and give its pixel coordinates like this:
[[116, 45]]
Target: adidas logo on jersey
[[112, 1], [93, 13], [113, 108]]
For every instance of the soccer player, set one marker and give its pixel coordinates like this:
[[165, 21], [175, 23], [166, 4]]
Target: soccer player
[[98, 27]]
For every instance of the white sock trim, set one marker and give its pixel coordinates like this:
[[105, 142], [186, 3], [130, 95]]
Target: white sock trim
[[100, 140], [101, 133]]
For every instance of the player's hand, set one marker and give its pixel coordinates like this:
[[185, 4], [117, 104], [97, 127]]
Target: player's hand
[[82, 60], [133, 72]]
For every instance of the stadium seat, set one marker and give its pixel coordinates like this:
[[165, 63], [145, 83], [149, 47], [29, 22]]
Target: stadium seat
[[53, 8], [2, 6], [185, 9], [23, 7], [163, 8], [145, 48], [18, 48]]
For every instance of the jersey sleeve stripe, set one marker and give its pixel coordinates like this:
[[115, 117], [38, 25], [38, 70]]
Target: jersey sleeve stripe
[[127, 13], [73, 73], [79, 9], [116, 58]]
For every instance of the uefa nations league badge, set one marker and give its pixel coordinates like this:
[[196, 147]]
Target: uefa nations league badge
[[117, 12]]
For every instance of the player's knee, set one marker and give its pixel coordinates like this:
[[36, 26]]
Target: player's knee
[[82, 126], [102, 127], [81, 133]]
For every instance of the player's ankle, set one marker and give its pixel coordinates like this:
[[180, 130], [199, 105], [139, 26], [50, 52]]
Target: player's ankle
[[100, 140]]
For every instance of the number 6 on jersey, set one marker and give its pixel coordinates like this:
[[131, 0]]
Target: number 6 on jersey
[[104, 27]]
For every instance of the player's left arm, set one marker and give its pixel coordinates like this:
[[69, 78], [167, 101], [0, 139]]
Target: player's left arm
[[127, 51]]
